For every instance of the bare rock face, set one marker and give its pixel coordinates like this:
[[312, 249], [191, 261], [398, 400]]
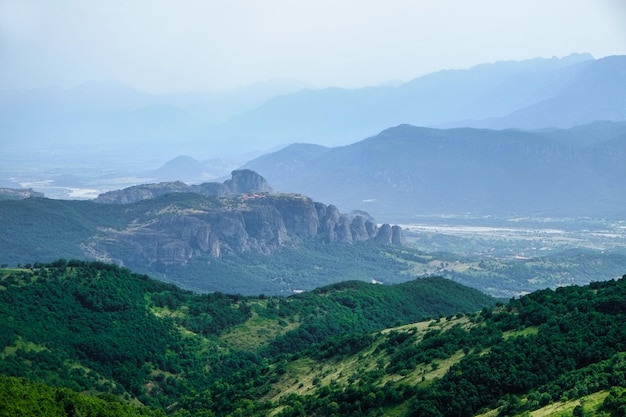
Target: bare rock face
[[299, 214], [266, 225], [344, 234], [371, 228], [329, 217], [242, 182], [141, 192], [210, 189], [207, 242], [247, 181], [384, 234], [390, 235], [397, 237], [19, 193], [358, 229], [216, 220]]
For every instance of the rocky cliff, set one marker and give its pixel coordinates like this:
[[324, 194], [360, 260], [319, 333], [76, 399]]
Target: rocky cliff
[[172, 223], [19, 193], [241, 182]]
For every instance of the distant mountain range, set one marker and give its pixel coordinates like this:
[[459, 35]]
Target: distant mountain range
[[105, 114], [538, 93], [408, 170], [104, 136], [590, 91]]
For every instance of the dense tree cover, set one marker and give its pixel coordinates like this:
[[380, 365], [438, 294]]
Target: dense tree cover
[[79, 326], [22, 398], [545, 347], [308, 266], [615, 402], [356, 307], [406, 354], [90, 326], [62, 224], [577, 327]]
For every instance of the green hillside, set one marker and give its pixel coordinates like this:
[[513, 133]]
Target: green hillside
[[79, 336], [20, 397], [99, 329]]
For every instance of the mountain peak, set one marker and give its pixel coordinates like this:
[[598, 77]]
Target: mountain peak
[[247, 181]]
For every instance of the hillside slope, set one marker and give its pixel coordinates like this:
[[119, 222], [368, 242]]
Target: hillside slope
[[351, 349], [107, 330]]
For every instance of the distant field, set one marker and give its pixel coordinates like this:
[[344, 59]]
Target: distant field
[[520, 237]]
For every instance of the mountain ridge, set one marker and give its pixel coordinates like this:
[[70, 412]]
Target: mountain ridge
[[439, 99], [406, 170], [595, 93], [172, 229], [125, 134]]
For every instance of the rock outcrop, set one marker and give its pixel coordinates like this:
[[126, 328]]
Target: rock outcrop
[[19, 193], [242, 182], [215, 221], [247, 181]]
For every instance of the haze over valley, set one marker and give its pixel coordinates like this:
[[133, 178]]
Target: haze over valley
[[97, 137]]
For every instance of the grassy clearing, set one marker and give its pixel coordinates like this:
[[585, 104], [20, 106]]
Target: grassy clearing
[[420, 327], [590, 403], [305, 375], [256, 332], [524, 332], [23, 345], [166, 312]]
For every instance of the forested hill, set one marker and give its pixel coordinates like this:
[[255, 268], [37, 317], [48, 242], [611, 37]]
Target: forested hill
[[99, 328], [350, 349]]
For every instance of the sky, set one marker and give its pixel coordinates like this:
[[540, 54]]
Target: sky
[[214, 45]]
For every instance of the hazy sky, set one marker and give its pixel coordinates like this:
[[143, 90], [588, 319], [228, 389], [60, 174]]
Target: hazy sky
[[159, 45]]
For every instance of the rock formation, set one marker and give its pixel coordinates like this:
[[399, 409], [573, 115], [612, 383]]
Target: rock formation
[[19, 193], [241, 182], [215, 220]]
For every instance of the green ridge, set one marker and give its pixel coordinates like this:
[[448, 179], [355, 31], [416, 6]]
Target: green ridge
[[424, 347]]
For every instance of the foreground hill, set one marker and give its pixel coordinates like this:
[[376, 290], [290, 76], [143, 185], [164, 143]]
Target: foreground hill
[[407, 170], [351, 349], [98, 328]]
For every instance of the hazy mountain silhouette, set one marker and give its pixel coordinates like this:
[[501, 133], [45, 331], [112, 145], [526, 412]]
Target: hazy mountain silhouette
[[408, 170], [104, 128], [110, 113], [596, 90], [337, 116]]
